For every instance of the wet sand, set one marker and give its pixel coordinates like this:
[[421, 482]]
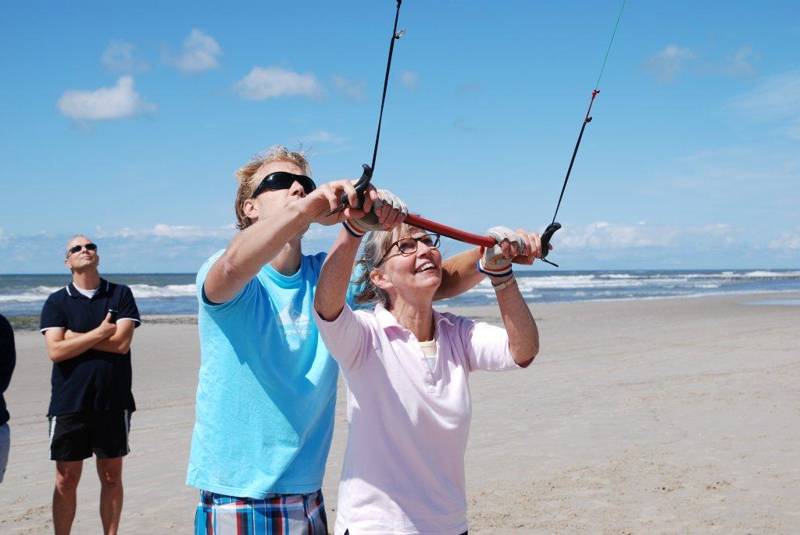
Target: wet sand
[[656, 416]]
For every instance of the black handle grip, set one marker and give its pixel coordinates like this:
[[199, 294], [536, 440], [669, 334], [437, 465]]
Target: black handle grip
[[361, 188], [547, 235], [114, 314]]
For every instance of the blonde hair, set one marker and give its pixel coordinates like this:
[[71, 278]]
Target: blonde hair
[[248, 184], [376, 245]]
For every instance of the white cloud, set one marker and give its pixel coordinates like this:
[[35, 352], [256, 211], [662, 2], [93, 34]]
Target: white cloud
[[200, 52], [410, 79], [172, 232], [105, 103], [787, 242], [742, 62], [350, 88], [322, 136], [120, 56], [190, 232], [156, 248], [323, 142], [262, 83], [775, 98], [669, 62], [602, 235]]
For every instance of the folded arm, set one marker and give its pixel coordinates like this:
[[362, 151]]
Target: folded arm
[[119, 342], [61, 348]]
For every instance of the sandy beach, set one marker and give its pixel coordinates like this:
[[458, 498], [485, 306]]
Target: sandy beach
[[653, 416]]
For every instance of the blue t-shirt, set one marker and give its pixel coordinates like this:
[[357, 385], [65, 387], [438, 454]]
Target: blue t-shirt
[[267, 388]]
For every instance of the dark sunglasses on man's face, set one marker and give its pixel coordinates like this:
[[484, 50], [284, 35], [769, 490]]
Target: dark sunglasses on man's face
[[408, 246], [77, 248], [283, 180]]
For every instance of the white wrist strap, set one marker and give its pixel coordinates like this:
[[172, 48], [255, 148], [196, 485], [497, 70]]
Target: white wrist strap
[[505, 284]]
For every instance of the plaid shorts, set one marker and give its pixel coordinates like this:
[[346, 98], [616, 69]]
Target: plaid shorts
[[277, 514]]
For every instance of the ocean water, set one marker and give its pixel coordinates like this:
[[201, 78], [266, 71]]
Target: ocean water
[[155, 293]]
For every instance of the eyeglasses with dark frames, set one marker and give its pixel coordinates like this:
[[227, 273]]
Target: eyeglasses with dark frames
[[408, 245]]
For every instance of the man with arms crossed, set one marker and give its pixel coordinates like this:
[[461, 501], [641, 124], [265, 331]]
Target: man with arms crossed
[[88, 326], [267, 384]]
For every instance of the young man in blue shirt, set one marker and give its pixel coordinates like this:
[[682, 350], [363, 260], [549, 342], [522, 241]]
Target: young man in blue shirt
[[267, 384]]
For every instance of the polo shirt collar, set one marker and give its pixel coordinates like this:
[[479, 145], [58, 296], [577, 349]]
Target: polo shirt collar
[[389, 323], [103, 289]]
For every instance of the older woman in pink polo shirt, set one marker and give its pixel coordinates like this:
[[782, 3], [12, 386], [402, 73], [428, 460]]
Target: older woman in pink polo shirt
[[407, 371]]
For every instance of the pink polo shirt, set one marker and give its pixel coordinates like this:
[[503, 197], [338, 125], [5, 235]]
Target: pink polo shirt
[[408, 423]]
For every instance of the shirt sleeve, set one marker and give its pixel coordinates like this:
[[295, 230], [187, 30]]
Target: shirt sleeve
[[220, 308], [487, 347], [348, 337], [127, 307], [52, 315]]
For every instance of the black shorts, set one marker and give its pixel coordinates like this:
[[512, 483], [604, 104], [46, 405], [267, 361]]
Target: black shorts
[[74, 437]]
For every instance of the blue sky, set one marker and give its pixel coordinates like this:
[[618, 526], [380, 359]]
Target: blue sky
[[126, 121]]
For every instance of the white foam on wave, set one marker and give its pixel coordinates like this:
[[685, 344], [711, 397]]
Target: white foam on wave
[[757, 274], [144, 291], [621, 283], [770, 274], [570, 282], [140, 291], [32, 295]]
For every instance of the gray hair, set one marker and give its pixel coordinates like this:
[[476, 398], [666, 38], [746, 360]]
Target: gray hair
[[376, 245]]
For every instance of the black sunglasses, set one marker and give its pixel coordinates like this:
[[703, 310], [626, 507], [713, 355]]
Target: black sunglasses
[[283, 180], [408, 246], [76, 248]]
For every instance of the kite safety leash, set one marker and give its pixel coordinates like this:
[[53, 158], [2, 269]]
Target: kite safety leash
[[366, 176], [551, 229], [368, 170]]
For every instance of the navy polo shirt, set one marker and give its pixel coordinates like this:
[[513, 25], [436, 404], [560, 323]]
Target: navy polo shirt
[[95, 380]]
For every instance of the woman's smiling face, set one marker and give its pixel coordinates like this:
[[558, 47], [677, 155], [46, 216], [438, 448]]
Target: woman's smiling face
[[413, 263]]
